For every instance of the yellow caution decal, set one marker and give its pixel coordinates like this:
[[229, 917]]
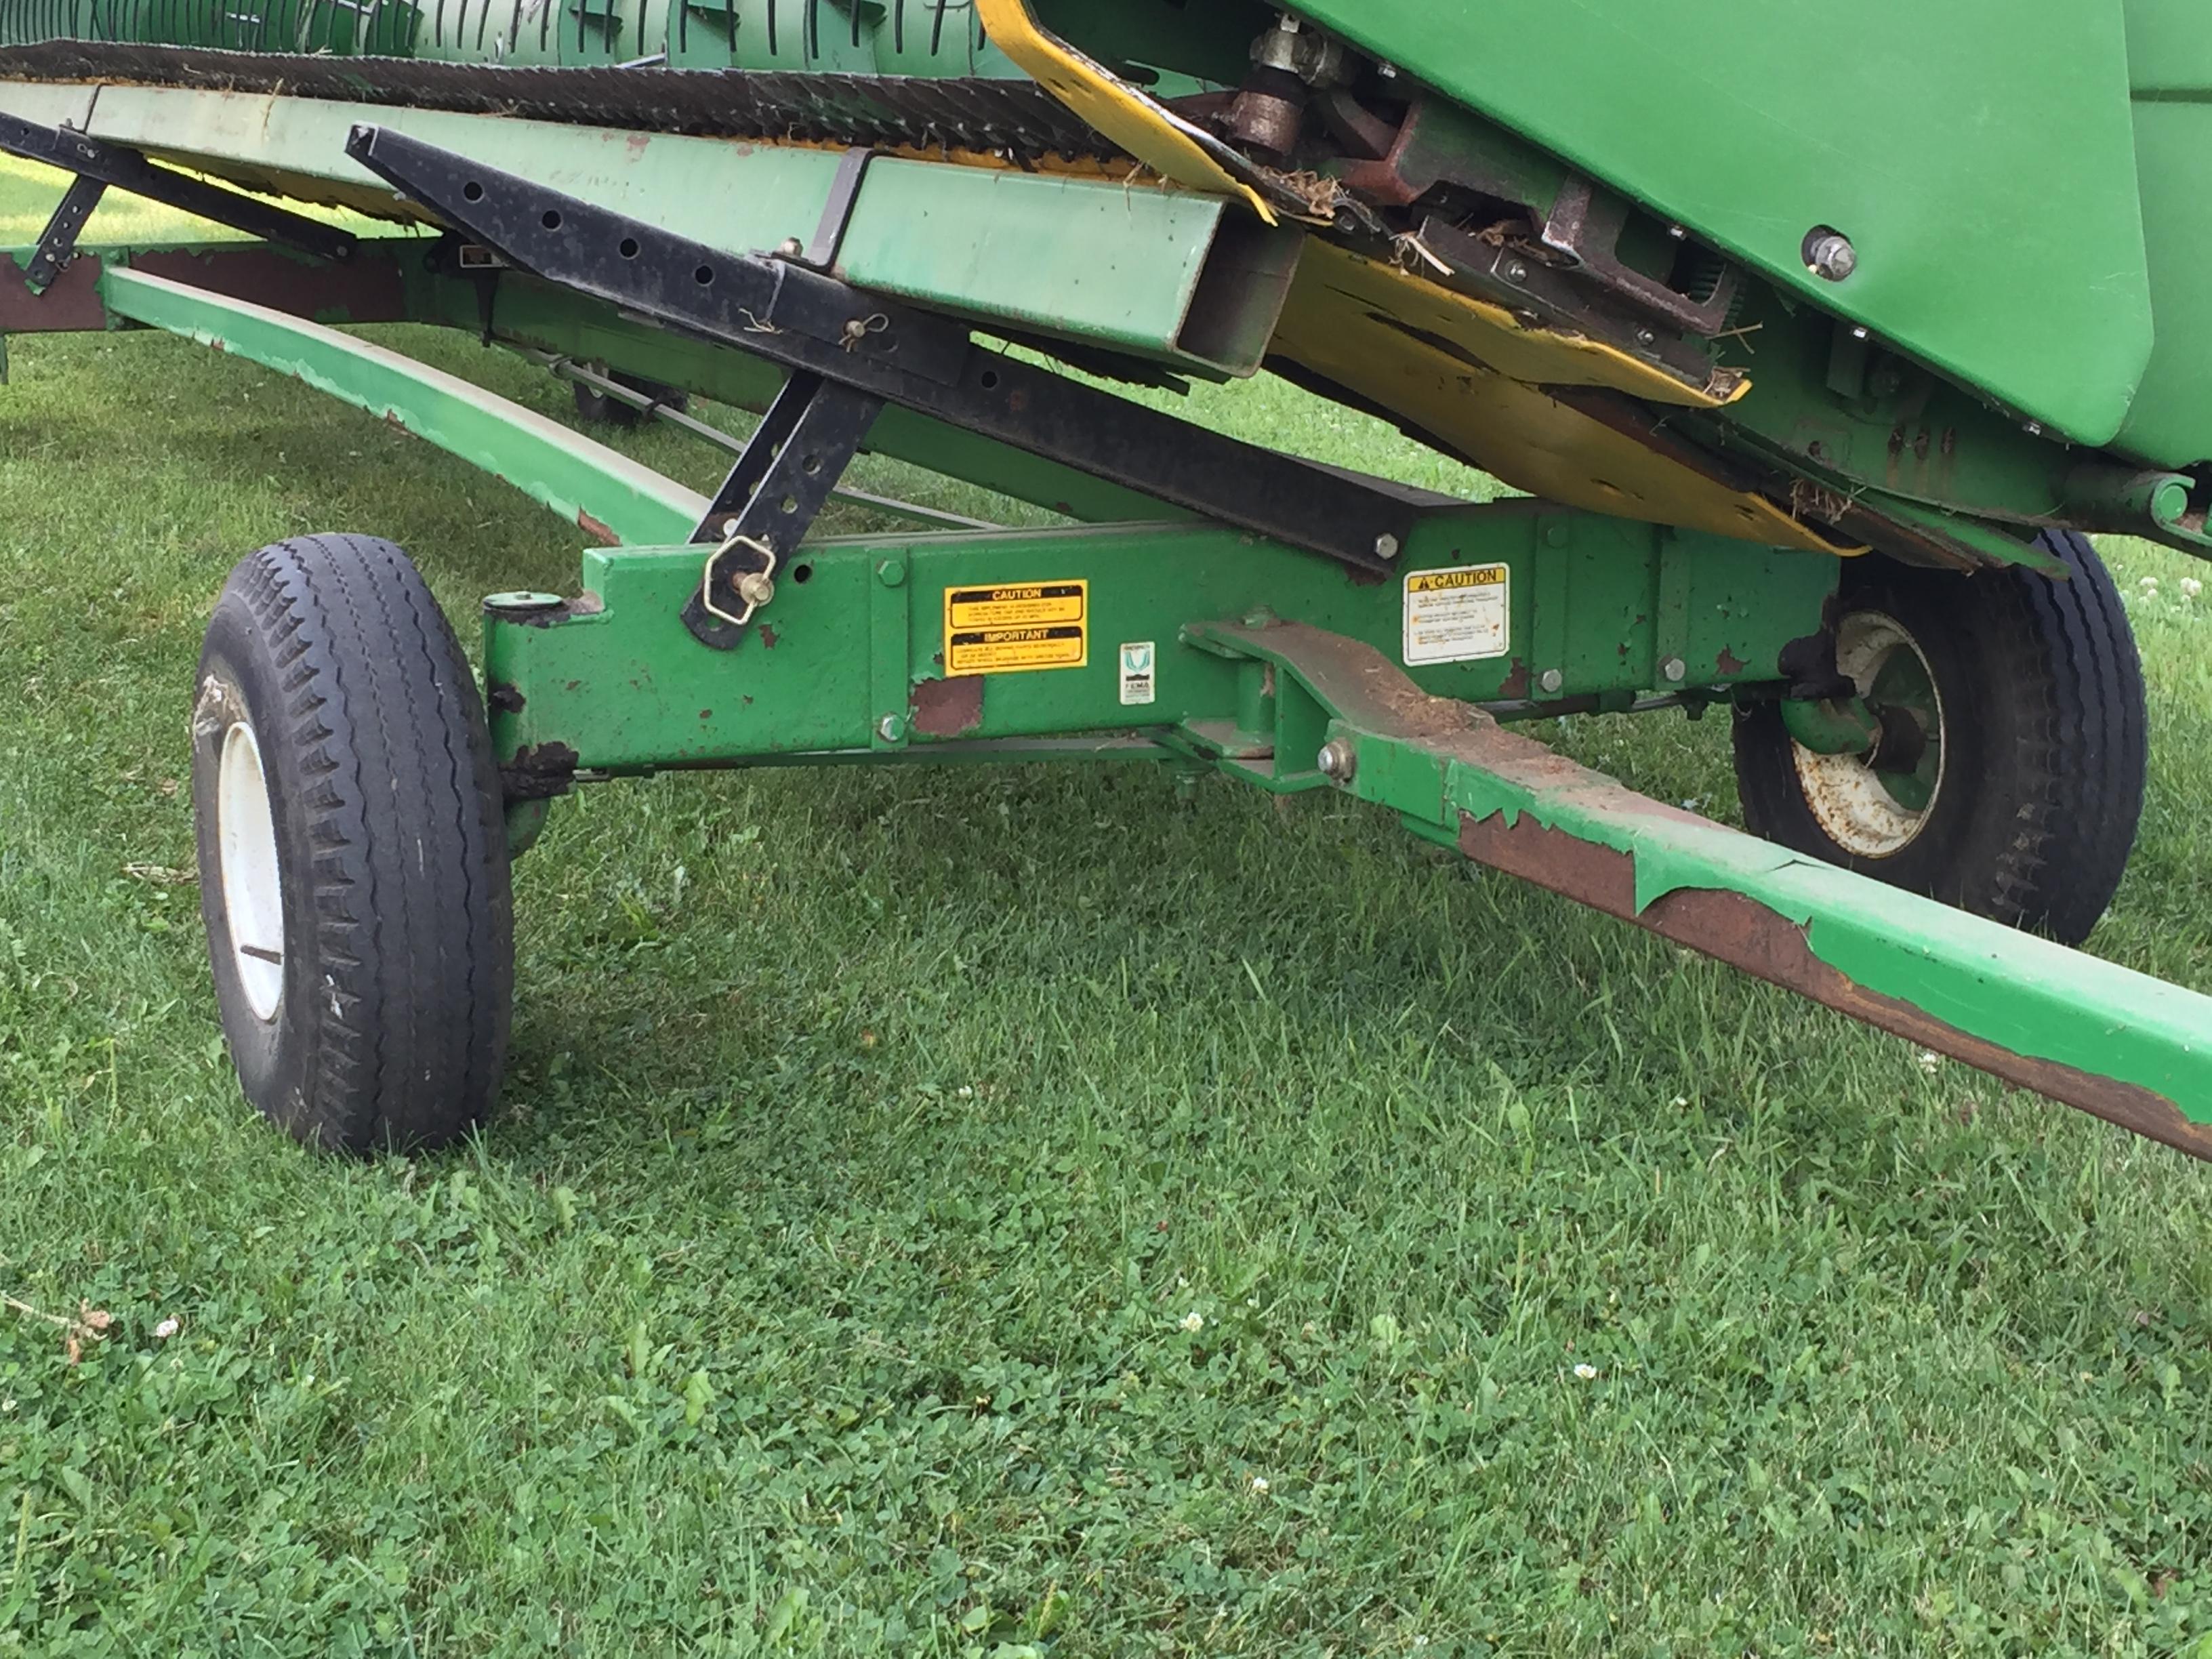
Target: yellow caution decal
[[1016, 629]]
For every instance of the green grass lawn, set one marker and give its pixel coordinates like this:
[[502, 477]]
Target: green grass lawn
[[1016, 1213]]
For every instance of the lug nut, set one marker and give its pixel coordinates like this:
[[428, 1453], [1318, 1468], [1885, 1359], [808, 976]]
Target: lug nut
[[1339, 761]]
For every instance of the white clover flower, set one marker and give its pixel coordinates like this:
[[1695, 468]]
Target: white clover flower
[[2148, 583], [1260, 1485], [1587, 1373], [1929, 1061], [1679, 1101], [2191, 587], [166, 1329], [1193, 1322]]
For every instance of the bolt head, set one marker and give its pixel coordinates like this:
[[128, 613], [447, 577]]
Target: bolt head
[[1645, 337], [891, 728], [1386, 547], [1338, 761], [757, 588], [1675, 670], [1858, 333], [1829, 255], [791, 248], [1515, 271], [1551, 679]]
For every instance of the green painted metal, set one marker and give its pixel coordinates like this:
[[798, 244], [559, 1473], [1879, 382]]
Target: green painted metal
[[2103, 1037], [1129, 266], [1834, 726], [584, 481], [2170, 67], [1978, 154], [857, 634]]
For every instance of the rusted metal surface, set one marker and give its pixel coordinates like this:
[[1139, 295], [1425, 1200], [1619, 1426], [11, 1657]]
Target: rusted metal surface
[[950, 708], [1736, 929], [368, 288]]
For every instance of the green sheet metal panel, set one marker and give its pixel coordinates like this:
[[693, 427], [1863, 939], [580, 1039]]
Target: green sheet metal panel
[[1978, 153], [2170, 63], [1079, 259]]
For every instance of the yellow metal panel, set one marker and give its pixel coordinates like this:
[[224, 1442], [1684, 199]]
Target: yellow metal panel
[[1391, 356], [1154, 134], [1371, 295]]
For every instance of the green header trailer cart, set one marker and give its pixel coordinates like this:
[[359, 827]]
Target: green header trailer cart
[[1817, 358]]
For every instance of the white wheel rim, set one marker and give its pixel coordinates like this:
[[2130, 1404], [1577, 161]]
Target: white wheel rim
[[1846, 795], [252, 890]]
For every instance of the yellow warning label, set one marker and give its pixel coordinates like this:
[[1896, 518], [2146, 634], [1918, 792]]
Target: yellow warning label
[[1013, 630], [1446, 581], [1461, 614]]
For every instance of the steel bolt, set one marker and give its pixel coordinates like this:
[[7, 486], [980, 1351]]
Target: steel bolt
[[1675, 670], [891, 728], [1515, 271], [891, 573], [1339, 761], [1677, 232], [1551, 679], [1829, 254], [1858, 333], [791, 248], [1386, 547], [729, 527], [1645, 337], [757, 588]]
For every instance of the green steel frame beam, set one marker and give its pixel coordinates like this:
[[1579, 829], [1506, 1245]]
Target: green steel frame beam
[[2126, 1046], [609, 496], [1570, 610]]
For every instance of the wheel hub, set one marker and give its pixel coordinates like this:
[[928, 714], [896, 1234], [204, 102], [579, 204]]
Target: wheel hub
[[1874, 805], [252, 888]]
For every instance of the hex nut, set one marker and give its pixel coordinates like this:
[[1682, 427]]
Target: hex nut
[[1829, 254]]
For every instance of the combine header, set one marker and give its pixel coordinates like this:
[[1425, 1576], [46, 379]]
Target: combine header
[[1817, 359]]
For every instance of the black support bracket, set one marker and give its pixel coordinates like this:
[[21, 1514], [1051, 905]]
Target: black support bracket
[[99, 165], [771, 498], [778, 309]]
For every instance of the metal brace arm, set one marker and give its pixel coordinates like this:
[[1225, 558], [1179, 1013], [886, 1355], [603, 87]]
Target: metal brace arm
[[99, 165], [765, 507], [779, 310]]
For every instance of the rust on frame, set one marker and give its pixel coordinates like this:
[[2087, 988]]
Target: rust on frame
[[1736, 929], [948, 708]]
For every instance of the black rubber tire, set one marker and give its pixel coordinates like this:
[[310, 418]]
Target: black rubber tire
[[2046, 742], [597, 408], [397, 971]]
